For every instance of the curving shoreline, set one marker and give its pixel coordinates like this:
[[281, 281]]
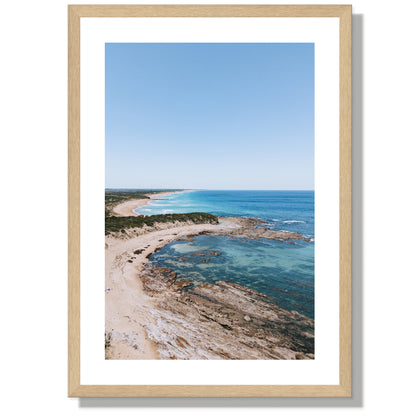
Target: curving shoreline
[[128, 307], [142, 323], [125, 209]]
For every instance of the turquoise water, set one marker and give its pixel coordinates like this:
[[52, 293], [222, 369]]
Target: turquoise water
[[283, 271], [286, 210]]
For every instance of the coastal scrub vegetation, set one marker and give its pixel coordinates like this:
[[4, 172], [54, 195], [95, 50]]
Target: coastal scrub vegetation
[[115, 224]]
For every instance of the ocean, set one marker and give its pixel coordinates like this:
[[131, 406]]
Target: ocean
[[283, 271]]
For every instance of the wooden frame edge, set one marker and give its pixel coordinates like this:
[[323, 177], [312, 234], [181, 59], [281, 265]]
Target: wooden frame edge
[[75, 389], [345, 190], [209, 10], [73, 200], [210, 391]]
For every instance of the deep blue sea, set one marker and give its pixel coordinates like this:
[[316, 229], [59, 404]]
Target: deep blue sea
[[283, 271]]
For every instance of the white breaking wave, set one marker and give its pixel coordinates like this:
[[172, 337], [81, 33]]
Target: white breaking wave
[[294, 221]]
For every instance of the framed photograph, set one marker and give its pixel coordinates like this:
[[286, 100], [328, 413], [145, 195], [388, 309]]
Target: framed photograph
[[209, 201]]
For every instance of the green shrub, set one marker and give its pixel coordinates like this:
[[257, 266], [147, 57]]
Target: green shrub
[[115, 224]]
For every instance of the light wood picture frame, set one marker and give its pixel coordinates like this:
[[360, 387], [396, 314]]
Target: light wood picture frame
[[75, 386]]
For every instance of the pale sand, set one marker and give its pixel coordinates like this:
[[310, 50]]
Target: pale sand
[[127, 306], [125, 209]]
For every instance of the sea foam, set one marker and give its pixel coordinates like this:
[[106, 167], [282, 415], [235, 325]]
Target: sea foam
[[293, 222]]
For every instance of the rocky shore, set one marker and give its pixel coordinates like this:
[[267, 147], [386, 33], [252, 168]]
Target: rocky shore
[[151, 313], [222, 321]]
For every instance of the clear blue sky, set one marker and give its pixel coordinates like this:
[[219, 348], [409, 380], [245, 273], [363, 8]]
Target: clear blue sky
[[209, 116]]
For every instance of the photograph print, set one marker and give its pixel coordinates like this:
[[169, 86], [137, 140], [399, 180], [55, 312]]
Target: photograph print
[[209, 201]]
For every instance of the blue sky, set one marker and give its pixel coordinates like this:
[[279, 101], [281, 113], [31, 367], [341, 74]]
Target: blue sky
[[209, 116]]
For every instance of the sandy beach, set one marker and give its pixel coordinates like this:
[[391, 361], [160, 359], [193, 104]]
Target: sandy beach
[[125, 209], [144, 314], [128, 308]]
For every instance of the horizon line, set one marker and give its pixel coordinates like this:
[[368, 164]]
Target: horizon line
[[204, 189]]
